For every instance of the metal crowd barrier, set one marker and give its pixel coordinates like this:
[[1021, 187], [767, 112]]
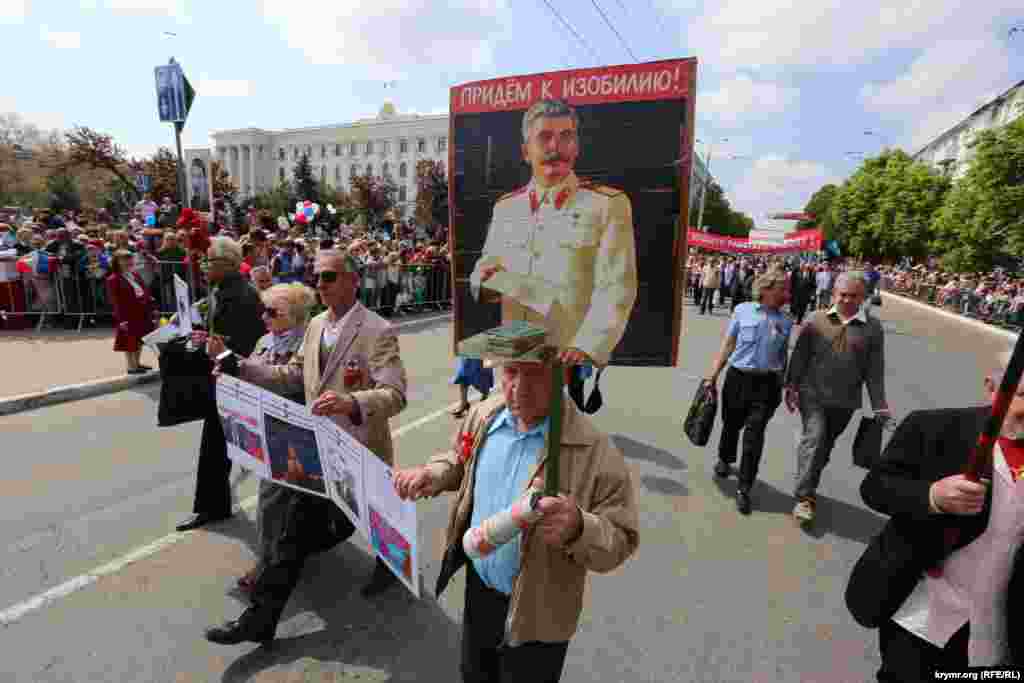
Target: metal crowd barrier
[[78, 300]]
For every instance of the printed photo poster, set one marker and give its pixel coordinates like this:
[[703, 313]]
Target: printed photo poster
[[392, 524], [342, 457], [292, 450], [181, 297], [565, 196], [238, 405]]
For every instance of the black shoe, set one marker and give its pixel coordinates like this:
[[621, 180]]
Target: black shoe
[[381, 580], [743, 502], [251, 627], [145, 368], [201, 519], [722, 469]]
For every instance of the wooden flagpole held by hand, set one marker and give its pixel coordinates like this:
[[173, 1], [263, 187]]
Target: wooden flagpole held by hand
[[979, 466], [551, 465]]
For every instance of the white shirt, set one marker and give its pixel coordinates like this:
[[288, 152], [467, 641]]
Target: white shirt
[[974, 580], [332, 331], [860, 317], [824, 280]]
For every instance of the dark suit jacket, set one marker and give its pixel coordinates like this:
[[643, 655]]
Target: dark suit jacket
[[238, 314], [929, 445]]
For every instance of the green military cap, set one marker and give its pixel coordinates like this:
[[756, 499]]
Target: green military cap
[[514, 342]]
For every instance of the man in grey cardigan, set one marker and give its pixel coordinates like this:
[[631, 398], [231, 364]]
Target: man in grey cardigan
[[837, 352]]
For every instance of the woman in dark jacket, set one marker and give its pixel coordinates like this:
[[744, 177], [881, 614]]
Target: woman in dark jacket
[[133, 310]]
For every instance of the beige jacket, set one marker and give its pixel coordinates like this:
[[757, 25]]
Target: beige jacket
[[548, 594], [371, 342], [711, 277]]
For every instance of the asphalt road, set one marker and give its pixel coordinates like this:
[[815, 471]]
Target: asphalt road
[[709, 596]]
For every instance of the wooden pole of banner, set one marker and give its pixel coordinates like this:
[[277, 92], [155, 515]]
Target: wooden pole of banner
[[554, 429]]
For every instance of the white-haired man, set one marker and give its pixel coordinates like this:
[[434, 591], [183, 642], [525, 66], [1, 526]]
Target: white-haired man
[[234, 316], [837, 352], [567, 244]]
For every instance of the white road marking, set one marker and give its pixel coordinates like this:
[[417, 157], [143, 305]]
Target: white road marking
[[37, 602]]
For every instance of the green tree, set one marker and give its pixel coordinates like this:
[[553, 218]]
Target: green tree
[[63, 192], [162, 168], [279, 200], [820, 205], [372, 197], [303, 182], [982, 218], [886, 208]]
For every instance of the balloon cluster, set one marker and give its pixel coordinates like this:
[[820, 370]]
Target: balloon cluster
[[305, 212]]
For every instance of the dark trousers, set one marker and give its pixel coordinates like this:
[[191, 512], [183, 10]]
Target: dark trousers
[[749, 401], [907, 658], [484, 659], [723, 292], [312, 525], [799, 309], [707, 301], [213, 483], [698, 293]]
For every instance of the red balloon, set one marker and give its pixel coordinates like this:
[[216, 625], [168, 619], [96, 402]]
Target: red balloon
[[300, 218], [23, 267]]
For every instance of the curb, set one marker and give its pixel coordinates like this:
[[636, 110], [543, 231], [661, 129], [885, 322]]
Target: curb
[[984, 327], [74, 392], [99, 387]]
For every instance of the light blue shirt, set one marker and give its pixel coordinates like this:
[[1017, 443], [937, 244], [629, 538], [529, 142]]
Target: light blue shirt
[[503, 469], [762, 338]]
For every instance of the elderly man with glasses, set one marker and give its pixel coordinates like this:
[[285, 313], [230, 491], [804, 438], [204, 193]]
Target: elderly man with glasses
[[351, 371], [234, 319]]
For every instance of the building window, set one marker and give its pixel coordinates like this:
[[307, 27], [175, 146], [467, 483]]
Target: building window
[[353, 171], [280, 174], [309, 151], [323, 173], [352, 149], [295, 153], [442, 144], [337, 174], [386, 171], [385, 148], [337, 150], [403, 147], [421, 145], [369, 147], [402, 170], [280, 154], [323, 151], [369, 169], [402, 193]]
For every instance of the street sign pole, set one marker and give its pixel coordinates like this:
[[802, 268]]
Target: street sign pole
[[182, 190]]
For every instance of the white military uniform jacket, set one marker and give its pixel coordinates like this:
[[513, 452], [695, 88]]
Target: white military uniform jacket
[[575, 241]]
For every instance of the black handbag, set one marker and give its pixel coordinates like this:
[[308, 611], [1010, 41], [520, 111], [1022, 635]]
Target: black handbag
[[187, 390], [867, 445], [701, 418], [876, 300]]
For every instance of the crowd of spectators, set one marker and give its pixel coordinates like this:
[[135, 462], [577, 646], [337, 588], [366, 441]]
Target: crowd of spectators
[[64, 259]]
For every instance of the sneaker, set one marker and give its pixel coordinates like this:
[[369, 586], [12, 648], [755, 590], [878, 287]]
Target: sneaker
[[804, 511]]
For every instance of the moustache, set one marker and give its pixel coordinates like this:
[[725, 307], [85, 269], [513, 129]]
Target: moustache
[[552, 158]]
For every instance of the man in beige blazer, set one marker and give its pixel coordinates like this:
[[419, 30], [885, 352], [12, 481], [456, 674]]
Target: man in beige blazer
[[351, 370]]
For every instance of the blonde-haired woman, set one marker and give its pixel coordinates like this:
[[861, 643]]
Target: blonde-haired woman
[[287, 309]]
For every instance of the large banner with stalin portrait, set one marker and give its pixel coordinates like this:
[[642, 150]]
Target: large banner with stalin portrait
[[568, 195]]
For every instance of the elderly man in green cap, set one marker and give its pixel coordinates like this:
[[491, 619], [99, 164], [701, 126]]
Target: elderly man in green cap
[[523, 599]]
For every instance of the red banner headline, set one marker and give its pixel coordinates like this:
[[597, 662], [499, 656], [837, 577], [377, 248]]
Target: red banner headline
[[809, 240], [633, 82]]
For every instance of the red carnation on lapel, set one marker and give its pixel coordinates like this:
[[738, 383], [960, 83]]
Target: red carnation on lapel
[[534, 204], [562, 197], [352, 374], [465, 447]]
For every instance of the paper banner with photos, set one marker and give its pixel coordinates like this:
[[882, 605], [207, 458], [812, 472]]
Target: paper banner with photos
[[283, 442]]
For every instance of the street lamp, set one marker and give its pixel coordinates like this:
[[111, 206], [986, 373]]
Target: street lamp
[[707, 178]]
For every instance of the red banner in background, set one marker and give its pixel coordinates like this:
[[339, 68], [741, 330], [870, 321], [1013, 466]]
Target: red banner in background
[[802, 240], [792, 216], [668, 80]]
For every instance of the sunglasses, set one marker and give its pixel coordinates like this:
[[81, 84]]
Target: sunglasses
[[327, 276]]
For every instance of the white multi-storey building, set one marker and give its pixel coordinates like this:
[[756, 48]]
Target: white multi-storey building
[[389, 145], [950, 153]]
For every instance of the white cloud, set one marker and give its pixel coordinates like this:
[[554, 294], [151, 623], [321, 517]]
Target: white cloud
[[216, 87], [388, 39], [775, 184], [742, 99], [62, 40], [944, 84], [13, 11], [756, 33], [175, 9]]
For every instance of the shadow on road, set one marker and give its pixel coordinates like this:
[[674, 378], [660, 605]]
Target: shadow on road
[[410, 640], [833, 516], [635, 450], [663, 485]]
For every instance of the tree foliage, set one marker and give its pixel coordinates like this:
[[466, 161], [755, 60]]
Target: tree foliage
[[162, 168], [63, 192], [373, 197], [92, 149], [719, 217], [431, 193], [303, 182], [886, 208], [982, 219], [820, 205]]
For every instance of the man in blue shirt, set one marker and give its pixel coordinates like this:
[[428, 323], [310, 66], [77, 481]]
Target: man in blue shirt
[[755, 348]]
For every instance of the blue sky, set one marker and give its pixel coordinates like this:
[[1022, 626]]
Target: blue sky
[[786, 88]]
